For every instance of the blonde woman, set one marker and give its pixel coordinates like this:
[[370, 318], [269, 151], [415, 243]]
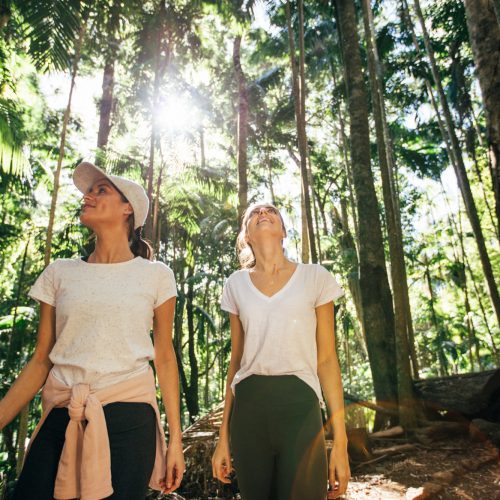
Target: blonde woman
[[283, 362], [100, 435]]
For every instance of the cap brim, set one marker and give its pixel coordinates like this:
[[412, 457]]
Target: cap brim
[[86, 174]]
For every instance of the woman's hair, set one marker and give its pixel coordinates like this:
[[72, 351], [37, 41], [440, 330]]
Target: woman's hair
[[243, 248], [138, 246]]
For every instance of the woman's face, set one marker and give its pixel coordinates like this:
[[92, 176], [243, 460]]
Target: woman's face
[[264, 221], [104, 205]]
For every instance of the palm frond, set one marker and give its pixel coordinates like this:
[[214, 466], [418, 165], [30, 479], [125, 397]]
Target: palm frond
[[12, 158], [52, 26]]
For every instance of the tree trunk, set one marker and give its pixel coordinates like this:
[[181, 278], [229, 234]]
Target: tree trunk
[[376, 298], [62, 144], [160, 65], [460, 171], [242, 129], [304, 240], [484, 33], [345, 159], [108, 81], [443, 362], [408, 418], [350, 260], [471, 135], [473, 340], [315, 208], [270, 181], [106, 104], [312, 218], [156, 209], [305, 233], [192, 399], [15, 346], [154, 133], [298, 79], [202, 149]]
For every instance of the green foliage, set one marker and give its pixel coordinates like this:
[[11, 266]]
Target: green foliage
[[12, 137], [52, 27]]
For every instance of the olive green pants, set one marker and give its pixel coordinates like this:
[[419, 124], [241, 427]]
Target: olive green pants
[[277, 440]]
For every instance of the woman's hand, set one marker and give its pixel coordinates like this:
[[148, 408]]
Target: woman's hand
[[175, 467], [221, 461], [338, 469]]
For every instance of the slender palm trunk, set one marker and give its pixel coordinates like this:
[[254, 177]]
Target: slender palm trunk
[[16, 345], [62, 145], [407, 413], [202, 149], [298, 79], [347, 244], [441, 358], [154, 133], [344, 147], [106, 103], [471, 331], [376, 298], [192, 398], [312, 218], [108, 80], [242, 129], [156, 210]]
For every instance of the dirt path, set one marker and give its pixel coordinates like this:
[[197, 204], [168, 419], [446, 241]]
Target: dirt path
[[402, 477]]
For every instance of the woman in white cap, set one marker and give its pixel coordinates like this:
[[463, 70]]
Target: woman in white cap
[[283, 362], [100, 435]]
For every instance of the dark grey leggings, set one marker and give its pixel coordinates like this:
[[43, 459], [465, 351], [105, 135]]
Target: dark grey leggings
[[277, 440], [132, 440]]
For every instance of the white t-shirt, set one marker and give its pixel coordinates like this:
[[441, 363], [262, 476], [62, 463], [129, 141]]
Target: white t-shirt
[[104, 314], [280, 331]]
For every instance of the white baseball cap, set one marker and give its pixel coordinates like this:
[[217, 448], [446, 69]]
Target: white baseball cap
[[86, 174]]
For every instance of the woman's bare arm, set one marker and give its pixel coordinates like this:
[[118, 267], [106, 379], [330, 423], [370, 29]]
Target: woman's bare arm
[[168, 377], [34, 374], [221, 460], [331, 384]]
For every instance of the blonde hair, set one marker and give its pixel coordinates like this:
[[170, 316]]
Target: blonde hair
[[243, 248]]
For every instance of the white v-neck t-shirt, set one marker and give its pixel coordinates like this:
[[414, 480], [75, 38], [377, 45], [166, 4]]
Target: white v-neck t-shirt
[[104, 315], [280, 331]]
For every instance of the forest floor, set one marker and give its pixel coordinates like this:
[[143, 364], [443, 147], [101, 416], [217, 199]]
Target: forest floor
[[448, 465], [422, 467], [452, 468]]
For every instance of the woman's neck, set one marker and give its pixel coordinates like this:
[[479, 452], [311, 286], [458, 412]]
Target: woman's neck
[[269, 257], [110, 249]]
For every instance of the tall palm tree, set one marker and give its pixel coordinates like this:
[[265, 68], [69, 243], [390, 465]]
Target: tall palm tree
[[376, 297], [299, 92], [391, 203]]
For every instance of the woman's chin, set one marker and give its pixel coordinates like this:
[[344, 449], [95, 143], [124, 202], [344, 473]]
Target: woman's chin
[[86, 220]]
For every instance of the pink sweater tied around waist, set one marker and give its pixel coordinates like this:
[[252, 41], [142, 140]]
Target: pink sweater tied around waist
[[85, 466]]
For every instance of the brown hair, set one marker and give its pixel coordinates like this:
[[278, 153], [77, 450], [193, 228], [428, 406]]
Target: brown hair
[[243, 248], [138, 246]]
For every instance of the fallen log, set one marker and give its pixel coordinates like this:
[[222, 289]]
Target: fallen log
[[440, 430], [482, 430], [472, 395], [395, 450], [351, 398], [388, 433]]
